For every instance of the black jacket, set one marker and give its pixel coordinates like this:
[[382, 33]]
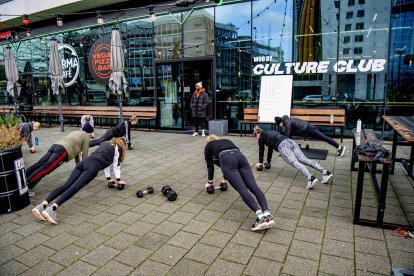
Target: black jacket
[[123, 130], [199, 105], [104, 154], [294, 126], [271, 139], [26, 132], [212, 151]]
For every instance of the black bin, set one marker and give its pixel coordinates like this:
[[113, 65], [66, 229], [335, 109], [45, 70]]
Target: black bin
[[14, 193]]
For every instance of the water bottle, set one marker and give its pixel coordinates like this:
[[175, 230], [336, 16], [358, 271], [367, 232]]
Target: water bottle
[[36, 141], [359, 126], [331, 119]]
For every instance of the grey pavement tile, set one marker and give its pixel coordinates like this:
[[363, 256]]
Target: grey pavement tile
[[299, 266], [35, 255], [12, 268], [112, 228], [92, 240], [133, 256], [80, 230], [223, 266], [9, 238], [209, 216], [317, 203], [203, 253], [152, 241], [78, 218], [310, 235], [397, 242], [128, 218], [68, 255], [288, 213], [61, 241], [188, 267], [168, 254], [305, 250], [237, 253], [237, 215], [248, 238], [181, 217], [8, 226], [314, 212], [372, 263], [341, 234], [154, 217], [285, 223], [278, 236], [118, 209], [300, 198], [340, 211], [167, 228], [112, 200], [31, 241], [370, 246], [10, 252], [216, 205], [366, 273], [339, 222], [144, 208], [151, 268], [197, 227], [121, 241], [216, 238], [30, 228], [114, 268], [336, 265], [311, 222], [139, 228], [44, 268], [101, 255], [272, 251], [184, 239], [338, 248], [25, 218], [168, 207], [259, 266], [227, 226], [402, 259], [78, 268]]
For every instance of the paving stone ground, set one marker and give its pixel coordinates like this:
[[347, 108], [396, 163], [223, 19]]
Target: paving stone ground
[[104, 231]]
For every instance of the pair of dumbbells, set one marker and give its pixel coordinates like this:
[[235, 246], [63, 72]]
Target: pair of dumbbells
[[149, 190], [223, 187], [169, 193], [265, 165], [119, 186]]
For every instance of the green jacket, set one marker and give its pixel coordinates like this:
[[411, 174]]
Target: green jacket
[[75, 143]]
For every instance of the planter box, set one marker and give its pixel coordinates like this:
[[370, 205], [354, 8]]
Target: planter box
[[14, 193], [218, 127]]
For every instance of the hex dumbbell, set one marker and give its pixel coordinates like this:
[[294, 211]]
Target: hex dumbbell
[[119, 186], [149, 190], [223, 187], [169, 193]]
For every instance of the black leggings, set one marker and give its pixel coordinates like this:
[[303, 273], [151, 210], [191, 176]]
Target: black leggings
[[199, 122], [108, 135], [53, 158], [313, 132], [83, 173], [236, 169]]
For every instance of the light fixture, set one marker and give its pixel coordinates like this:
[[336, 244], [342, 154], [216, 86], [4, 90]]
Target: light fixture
[[197, 49], [99, 18], [28, 34], [151, 13], [42, 40], [59, 20], [25, 20]]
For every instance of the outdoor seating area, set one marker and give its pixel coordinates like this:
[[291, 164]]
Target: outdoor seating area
[[105, 231]]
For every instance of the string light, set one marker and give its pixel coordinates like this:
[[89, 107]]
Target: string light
[[25, 20], [151, 13], [28, 34], [59, 20], [99, 18]]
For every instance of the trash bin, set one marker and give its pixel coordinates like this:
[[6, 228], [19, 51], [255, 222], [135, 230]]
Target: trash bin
[[13, 188], [218, 127]]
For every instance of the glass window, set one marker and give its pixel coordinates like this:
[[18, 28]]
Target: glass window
[[359, 26], [351, 2], [346, 51], [358, 50], [361, 2], [359, 38], [336, 3], [198, 30], [347, 39], [361, 13], [348, 27], [349, 15]]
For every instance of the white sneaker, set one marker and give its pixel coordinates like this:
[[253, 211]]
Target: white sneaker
[[326, 177], [203, 133], [341, 151], [311, 183], [195, 134]]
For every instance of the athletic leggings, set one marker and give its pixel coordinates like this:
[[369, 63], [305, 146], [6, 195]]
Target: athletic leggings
[[199, 122], [108, 135], [312, 131], [54, 157], [83, 173], [293, 155], [236, 169]]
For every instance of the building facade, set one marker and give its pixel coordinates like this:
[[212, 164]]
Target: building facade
[[351, 54]]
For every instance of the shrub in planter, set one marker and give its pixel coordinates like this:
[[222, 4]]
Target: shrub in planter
[[13, 189]]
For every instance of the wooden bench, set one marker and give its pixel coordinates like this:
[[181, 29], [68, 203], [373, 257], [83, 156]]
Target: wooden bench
[[367, 164], [317, 117], [99, 113]]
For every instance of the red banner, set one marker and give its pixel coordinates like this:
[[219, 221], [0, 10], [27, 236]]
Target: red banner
[[5, 35]]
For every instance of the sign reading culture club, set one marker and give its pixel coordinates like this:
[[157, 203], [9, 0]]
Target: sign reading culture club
[[99, 60], [341, 66], [70, 64]]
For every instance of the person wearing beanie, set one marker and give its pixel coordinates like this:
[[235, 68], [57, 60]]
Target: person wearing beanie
[[290, 152], [294, 126], [198, 105], [121, 130], [107, 154], [87, 119], [64, 150]]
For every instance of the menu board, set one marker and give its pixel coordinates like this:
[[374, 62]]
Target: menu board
[[275, 97]]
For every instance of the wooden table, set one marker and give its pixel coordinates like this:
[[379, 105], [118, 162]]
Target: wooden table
[[404, 126]]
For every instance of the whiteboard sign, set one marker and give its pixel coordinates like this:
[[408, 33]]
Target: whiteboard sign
[[275, 97]]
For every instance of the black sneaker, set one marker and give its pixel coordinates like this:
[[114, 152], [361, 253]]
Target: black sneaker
[[326, 177], [311, 183], [260, 224]]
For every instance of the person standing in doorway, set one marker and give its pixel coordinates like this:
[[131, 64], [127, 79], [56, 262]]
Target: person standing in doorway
[[198, 105]]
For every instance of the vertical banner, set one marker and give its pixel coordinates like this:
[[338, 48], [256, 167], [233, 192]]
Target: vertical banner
[[275, 97]]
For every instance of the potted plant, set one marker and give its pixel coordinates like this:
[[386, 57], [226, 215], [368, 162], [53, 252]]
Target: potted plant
[[13, 189]]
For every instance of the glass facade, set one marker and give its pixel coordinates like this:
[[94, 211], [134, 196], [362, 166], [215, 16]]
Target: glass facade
[[355, 55]]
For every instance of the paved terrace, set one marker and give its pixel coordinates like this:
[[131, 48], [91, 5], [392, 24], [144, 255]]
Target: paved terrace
[[104, 231]]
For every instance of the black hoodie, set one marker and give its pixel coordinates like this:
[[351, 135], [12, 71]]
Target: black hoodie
[[212, 151], [294, 126], [271, 139]]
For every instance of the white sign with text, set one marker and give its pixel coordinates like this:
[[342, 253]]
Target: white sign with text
[[275, 97]]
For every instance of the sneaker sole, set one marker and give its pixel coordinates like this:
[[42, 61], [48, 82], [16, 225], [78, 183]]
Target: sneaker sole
[[342, 152], [38, 215], [327, 180], [271, 223], [313, 184], [49, 218], [262, 226]]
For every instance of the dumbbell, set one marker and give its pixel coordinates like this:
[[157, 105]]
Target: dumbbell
[[305, 147], [169, 193], [266, 166], [149, 190], [119, 186], [223, 187]]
